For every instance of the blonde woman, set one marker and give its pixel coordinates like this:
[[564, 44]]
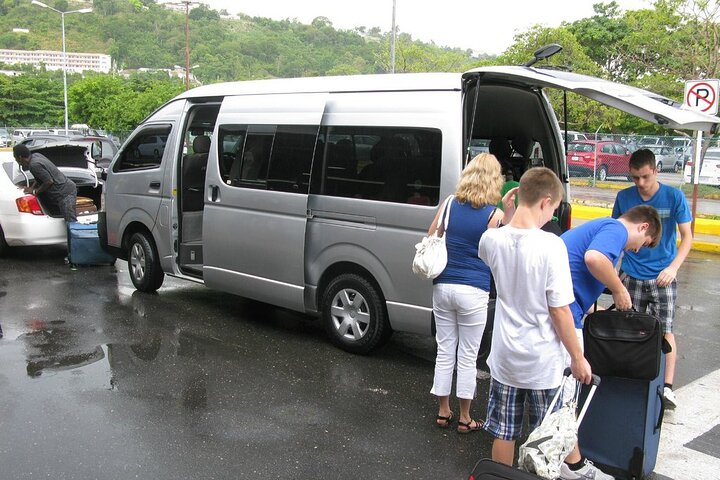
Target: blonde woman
[[460, 292]]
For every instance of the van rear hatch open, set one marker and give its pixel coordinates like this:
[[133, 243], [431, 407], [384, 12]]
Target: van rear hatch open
[[641, 103]]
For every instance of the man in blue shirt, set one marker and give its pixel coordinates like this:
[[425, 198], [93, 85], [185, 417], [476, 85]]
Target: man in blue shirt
[[649, 274], [594, 249]]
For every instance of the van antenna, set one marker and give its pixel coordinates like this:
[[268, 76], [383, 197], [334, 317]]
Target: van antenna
[[543, 53]]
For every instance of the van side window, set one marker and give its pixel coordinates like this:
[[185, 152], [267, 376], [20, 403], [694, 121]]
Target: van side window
[[267, 157], [145, 150], [390, 164]]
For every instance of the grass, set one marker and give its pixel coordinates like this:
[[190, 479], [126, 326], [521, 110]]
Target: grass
[[707, 192]]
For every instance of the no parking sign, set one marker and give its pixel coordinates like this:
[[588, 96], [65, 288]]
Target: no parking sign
[[702, 95]]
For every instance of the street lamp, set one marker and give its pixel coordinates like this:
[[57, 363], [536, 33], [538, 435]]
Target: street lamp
[[64, 69]]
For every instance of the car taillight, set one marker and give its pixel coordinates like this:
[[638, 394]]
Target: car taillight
[[29, 204]]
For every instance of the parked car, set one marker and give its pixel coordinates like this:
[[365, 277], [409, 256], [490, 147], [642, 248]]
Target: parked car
[[710, 171], [573, 136], [153, 145], [606, 159], [5, 137], [37, 140], [650, 141], [666, 159], [23, 218]]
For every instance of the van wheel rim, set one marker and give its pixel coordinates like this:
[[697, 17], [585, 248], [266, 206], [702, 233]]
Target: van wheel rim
[[350, 314], [137, 262]]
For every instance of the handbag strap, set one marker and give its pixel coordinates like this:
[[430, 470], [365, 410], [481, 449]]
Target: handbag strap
[[445, 218]]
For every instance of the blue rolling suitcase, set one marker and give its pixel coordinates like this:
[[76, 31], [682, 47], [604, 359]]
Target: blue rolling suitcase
[[84, 246], [621, 430]]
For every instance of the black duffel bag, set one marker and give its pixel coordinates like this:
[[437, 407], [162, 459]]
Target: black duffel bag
[[624, 344]]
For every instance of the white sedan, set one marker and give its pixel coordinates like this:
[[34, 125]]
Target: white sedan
[[22, 219]]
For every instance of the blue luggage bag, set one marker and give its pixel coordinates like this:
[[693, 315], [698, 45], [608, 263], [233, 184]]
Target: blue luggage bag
[[84, 246], [621, 431]]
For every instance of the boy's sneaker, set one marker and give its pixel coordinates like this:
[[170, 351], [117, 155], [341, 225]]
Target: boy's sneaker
[[587, 472], [670, 400]]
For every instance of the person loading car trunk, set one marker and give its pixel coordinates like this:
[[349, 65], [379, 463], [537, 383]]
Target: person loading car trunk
[[56, 192]]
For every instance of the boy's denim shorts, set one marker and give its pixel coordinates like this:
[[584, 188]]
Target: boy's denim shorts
[[506, 406]]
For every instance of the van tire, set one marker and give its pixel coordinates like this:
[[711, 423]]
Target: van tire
[[143, 263], [346, 296]]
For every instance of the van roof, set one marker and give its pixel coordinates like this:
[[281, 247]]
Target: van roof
[[351, 83]]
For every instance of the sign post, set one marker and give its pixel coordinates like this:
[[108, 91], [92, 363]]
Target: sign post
[[701, 96]]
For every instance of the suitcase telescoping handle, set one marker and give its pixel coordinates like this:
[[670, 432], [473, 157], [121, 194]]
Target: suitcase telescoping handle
[[593, 386], [595, 378]]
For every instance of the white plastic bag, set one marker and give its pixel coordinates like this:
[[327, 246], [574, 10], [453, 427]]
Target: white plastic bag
[[431, 253], [551, 442]]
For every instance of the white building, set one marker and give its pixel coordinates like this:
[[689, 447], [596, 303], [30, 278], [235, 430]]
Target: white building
[[53, 60]]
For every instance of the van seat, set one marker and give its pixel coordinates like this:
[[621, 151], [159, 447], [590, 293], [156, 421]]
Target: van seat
[[193, 179]]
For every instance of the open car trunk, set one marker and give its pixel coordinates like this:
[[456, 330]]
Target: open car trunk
[[74, 161]]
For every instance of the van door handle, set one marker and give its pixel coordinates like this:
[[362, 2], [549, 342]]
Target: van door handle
[[155, 185], [214, 193]]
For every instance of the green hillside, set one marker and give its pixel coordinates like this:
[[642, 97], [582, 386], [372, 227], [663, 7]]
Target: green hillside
[[145, 34]]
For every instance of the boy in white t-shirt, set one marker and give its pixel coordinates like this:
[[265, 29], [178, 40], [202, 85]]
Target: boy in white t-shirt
[[533, 321]]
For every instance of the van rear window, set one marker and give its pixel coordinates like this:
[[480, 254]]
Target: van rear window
[[390, 164]]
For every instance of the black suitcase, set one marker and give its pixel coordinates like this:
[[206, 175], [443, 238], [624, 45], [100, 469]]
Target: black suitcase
[[486, 469]]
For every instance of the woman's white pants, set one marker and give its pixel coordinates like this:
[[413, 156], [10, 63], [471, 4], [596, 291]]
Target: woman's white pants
[[460, 317]]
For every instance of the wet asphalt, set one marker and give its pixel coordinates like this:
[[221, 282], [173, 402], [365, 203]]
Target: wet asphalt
[[99, 381]]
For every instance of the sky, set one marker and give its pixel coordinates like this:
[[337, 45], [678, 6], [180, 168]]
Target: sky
[[480, 25]]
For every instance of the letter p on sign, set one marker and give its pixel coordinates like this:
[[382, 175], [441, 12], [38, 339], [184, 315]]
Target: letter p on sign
[[702, 95]]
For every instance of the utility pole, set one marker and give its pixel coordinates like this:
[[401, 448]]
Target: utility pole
[[392, 41], [187, 45], [186, 4]]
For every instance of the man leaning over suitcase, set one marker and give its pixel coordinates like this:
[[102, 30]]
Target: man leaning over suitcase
[[594, 249], [649, 274]]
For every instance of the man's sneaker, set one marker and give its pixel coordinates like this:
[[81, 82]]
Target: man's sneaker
[[587, 472], [670, 400]]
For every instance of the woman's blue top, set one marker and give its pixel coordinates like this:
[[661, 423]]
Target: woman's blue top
[[465, 227]]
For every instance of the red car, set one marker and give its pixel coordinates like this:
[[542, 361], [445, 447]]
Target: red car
[[605, 158]]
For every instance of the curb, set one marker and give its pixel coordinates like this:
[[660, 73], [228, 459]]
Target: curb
[[703, 226]]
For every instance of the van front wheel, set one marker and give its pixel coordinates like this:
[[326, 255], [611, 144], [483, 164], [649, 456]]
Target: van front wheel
[[354, 315], [144, 264]]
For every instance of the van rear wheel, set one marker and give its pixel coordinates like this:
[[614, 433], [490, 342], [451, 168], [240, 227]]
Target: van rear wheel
[[144, 264], [353, 314]]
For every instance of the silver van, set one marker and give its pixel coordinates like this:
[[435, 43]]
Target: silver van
[[310, 193]]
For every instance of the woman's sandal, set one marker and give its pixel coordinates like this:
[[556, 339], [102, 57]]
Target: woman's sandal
[[469, 427], [444, 422]]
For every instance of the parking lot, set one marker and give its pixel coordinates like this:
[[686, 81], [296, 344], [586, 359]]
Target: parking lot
[[102, 381]]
